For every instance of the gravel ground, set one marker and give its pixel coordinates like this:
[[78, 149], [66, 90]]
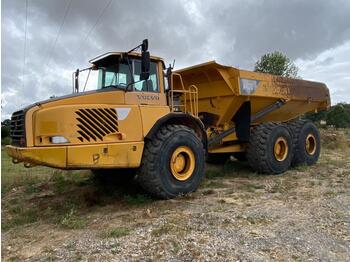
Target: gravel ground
[[236, 215]]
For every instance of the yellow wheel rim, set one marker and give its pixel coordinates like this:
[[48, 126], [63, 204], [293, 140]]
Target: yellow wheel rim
[[182, 163], [281, 149], [310, 144]]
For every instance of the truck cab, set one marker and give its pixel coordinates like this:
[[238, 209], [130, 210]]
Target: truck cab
[[103, 128]]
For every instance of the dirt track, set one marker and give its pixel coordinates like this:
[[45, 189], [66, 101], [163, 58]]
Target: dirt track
[[236, 215]]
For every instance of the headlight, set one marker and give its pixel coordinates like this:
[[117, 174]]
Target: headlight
[[58, 140]]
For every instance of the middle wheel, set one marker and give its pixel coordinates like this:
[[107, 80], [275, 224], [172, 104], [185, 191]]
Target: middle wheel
[[270, 148]]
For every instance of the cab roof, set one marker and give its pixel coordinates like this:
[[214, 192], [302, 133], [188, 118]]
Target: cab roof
[[107, 57]]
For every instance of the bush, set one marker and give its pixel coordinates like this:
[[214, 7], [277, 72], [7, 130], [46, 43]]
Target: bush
[[337, 116], [6, 141], [5, 131]]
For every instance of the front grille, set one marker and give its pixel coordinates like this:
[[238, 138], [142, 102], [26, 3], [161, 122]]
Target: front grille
[[17, 130], [95, 123]]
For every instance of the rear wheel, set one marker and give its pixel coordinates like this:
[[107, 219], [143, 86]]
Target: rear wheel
[[270, 148], [173, 162], [306, 142]]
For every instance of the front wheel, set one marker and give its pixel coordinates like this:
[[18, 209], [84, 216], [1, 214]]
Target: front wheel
[[173, 162]]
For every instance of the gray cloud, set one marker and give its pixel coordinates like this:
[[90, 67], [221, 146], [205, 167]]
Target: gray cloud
[[233, 32]]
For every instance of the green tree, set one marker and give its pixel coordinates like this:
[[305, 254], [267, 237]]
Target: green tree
[[276, 63], [339, 115], [5, 128]]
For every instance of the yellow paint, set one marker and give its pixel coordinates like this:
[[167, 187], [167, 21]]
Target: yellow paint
[[87, 156], [208, 87], [281, 149], [150, 115], [182, 163], [48, 156], [29, 120], [311, 144], [62, 121], [219, 92], [228, 149], [104, 156]]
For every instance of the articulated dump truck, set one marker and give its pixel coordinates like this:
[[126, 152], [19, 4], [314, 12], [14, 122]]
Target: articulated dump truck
[[164, 125]]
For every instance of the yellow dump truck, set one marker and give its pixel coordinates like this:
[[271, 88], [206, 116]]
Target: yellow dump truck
[[166, 124]]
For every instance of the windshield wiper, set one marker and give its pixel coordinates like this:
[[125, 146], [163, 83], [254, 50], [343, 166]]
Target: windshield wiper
[[115, 86]]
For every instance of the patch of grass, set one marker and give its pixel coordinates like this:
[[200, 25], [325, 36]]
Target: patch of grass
[[116, 232], [332, 139], [250, 187], [258, 220], [17, 175], [162, 230], [212, 174], [64, 180], [71, 221], [115, 248], [301, 168], [60, 184], [330, 194], [213, 184], [31, 188], [282, 186], [229, 169], [138, 199], [176, 247], [21, 219]]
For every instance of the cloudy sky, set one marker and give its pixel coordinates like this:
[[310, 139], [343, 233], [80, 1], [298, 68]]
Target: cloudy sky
[[63, 35]]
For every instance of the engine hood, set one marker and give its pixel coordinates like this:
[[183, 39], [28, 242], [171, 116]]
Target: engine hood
[[102, 96]]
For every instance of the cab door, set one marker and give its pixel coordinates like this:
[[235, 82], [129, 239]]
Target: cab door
[[147, 92], [149, 95]]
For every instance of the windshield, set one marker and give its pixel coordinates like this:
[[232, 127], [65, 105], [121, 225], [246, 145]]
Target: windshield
[[114, 75], [122, 74]]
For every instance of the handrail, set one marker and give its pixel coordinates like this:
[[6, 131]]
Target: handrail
[[189, 97]]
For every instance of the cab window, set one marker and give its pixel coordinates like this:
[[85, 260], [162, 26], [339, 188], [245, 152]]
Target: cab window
[[149, 85], [114, 75]]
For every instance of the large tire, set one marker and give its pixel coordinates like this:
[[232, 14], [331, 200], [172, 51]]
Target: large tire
[[306, 142], [173, 162], [270, 148], [218, 158]]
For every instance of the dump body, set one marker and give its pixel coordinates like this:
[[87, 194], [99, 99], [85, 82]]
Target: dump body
[[223, 89]]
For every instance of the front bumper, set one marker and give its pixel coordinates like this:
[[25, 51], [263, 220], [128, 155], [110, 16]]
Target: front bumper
[[118, 155]]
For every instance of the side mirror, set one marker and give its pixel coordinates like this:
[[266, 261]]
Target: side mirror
[[144, 45], [76, 81], [145, 65]]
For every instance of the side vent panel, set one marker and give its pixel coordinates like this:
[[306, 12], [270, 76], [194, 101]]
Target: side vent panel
[[95, 123]]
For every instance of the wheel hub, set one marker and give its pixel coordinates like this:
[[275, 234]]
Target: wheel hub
[[182, 163], [310, 144], [281, 149]]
